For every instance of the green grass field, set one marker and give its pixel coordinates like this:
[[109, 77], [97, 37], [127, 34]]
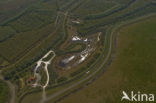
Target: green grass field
[[30, 28], [93, 7], [123, 12], [12, 8], [21, 32], [132, 69], [4, 92]]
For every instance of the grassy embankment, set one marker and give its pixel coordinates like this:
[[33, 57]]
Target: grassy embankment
[[4, 95], [127, 11], [133, 68]]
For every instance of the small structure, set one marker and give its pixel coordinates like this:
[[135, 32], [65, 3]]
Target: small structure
[[87, 72], [62, 64], [38, 69], [85, 40], [31, 79], [77, 22], [33, 67], [76, 38], [65, 61]]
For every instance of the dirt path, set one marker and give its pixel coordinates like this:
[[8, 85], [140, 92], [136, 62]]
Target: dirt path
[[83, 80], [12, 89], [39, 63], [114, 41]]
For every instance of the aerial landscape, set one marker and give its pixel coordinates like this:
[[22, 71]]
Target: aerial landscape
[[77, 51]]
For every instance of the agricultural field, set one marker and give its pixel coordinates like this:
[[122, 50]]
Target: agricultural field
[[90, 7], [12, 8], [49, 48], [31, 25], [129, 63], [4, 94]]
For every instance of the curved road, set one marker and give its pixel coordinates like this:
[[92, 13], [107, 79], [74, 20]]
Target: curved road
[[81, 81], [101, 66], [12, 89]]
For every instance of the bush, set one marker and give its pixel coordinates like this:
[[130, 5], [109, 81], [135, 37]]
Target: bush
[[78, 71], [61, 79]]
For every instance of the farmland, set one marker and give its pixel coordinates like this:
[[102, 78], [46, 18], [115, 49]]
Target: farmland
[[12, 8], [129, 63], [50, 47], [4, 94]]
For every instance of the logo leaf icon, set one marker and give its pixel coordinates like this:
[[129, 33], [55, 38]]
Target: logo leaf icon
[[125, 96]]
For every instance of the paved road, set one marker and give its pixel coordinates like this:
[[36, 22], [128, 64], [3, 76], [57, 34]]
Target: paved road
[[101, 66], [91, 75], [12, 89], [39, 63]]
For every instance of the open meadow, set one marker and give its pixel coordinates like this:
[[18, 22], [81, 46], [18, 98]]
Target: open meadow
[[78, 34], [132, 69]]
